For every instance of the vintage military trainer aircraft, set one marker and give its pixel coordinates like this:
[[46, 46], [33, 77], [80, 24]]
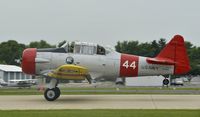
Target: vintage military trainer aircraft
[[80, 60]]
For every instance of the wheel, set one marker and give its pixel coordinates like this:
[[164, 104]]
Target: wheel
[[165, 82], [51, 94], [57, 92]]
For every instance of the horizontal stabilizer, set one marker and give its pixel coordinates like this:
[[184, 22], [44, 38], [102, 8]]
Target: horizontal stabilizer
[[160, 61]]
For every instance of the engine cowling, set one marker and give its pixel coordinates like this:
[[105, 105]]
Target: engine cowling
[[28, 61]]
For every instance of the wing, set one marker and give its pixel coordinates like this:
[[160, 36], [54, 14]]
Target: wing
[[70, 72]]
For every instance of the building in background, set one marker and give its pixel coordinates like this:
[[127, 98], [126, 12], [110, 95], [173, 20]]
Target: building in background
[[11, 72]]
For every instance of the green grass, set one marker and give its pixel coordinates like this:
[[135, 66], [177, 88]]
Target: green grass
[[33, 91], [100, 113], [136, 88], [15, 91]]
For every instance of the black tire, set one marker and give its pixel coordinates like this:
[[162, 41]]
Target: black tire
[[57, 92], [165, 82], [50, 94]]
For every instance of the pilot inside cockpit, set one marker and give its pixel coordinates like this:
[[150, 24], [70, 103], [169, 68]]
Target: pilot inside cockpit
[[101, 50]]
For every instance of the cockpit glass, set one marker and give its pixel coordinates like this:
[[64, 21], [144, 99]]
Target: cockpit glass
[[87, 49], [77, 49]]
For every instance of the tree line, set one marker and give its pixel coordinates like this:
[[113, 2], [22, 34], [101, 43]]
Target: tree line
[[11, 51]]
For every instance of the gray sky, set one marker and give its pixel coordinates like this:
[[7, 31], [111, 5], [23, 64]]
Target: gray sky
[[99, 21]]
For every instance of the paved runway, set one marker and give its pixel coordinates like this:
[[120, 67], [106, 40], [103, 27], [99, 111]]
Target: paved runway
[[101, 102]]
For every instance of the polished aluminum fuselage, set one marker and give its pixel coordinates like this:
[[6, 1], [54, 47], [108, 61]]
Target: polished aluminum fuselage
[[107, 66]]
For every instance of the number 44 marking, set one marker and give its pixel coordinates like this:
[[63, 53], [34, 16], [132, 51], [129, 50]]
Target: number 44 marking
[[126, 64]]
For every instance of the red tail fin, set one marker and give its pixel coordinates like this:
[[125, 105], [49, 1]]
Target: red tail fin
[[175, 51]]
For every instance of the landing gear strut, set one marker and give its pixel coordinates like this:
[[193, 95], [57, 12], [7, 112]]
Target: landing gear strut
[[52, 92]]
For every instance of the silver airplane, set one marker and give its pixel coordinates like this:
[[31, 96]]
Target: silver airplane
[[81, 60]]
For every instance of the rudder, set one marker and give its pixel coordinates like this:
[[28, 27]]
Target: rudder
[[175, 50]]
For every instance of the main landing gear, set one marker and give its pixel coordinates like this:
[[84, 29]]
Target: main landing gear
[[52, 92]]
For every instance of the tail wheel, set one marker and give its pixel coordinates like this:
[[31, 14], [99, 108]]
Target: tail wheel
[[52, 94], [165, 81]]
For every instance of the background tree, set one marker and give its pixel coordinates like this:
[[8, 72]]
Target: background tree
[[40, 44], [10, 51], [142, 49]]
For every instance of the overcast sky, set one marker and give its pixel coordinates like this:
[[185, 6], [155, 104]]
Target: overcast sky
[[99, 21]]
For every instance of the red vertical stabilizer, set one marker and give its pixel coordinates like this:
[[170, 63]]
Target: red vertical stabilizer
[[175, 51]]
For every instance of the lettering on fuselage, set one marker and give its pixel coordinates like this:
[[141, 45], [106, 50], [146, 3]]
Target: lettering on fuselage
[[155, 67], [147, 67]]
